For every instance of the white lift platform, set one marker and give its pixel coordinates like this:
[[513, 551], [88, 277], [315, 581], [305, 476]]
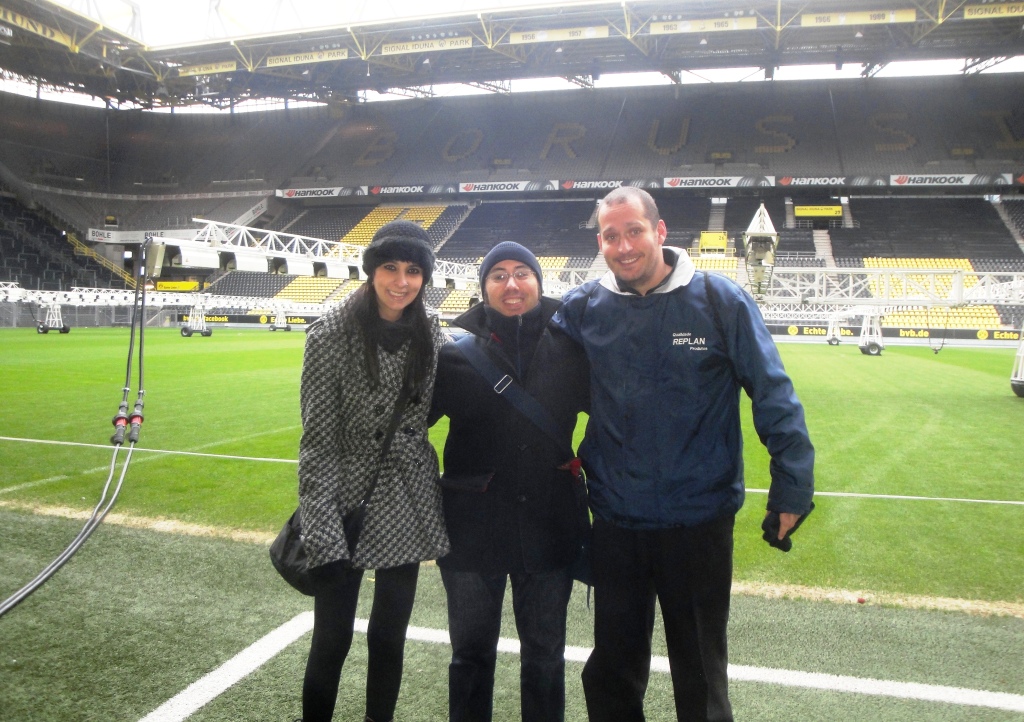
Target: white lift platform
[[280, 318], [870, 343], [54, 319], [196, 321]]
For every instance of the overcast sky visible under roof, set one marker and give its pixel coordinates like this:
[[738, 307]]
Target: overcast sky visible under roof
[[188, 21], [166, 23]]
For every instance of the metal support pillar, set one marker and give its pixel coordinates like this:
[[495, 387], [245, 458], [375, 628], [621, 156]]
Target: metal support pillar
[[832, 337], [1017, 378]]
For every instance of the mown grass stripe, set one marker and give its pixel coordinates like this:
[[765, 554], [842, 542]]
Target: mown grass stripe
[[198, 694], [848, 494], [773, 590]]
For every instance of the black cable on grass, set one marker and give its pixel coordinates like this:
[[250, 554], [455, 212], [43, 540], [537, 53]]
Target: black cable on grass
[[942, 342], [122, 421]]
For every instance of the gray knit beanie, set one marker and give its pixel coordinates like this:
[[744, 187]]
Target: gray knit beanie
[[400, 241]]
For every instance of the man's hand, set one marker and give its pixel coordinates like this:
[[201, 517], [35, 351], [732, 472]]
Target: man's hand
[[787, 522], [778, 526]]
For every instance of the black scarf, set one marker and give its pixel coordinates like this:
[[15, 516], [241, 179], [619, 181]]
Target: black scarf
[[394, 333], [517, 335]]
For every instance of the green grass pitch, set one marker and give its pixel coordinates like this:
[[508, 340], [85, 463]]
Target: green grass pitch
[[139, 615]]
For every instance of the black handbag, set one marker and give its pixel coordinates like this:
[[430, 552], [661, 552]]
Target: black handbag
[[288, 553]]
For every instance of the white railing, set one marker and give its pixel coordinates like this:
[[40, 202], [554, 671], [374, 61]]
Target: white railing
[[796, 294]]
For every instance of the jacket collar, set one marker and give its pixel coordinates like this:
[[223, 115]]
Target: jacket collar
[[682, 273], [475, 319]]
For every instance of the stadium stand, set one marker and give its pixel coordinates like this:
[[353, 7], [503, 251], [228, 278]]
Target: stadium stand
[[795, 242], [548, 228], [328, 223], [309, 289], [37, 256], [1012, 316], [981, 317], [725, 266], [741, 210], [684, 216], [924, 227], [249, 283], [857, 131], [1015, 210], [860, 129], [356, 224]]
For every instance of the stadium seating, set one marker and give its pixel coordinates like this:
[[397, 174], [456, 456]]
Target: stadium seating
[[1015, 210], [937, 319], [37, 256], [725, 266], [309, 289], [250, 283], [740, 211], [927, 227], [796, 241], [548, 228], [59, 156]]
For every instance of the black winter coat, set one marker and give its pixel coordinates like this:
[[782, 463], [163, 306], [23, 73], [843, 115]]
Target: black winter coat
[[527, 520]]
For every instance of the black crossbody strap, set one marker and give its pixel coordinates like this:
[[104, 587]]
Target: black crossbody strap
[[506, 387]]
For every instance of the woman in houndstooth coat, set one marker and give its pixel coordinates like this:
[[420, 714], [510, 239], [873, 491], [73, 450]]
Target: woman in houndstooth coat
[[357, 358]]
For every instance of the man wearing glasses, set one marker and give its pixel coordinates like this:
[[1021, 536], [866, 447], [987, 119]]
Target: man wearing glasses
[[511, 512]]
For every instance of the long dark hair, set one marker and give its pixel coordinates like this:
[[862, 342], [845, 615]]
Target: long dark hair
[[366, 313]]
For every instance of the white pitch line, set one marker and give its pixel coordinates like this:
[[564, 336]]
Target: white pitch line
[[906, 498], [37, 482], [877, 687], [295, 461], [184, 704], [139, 449]]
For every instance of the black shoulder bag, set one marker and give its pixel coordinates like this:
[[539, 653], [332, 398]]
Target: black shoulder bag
[[506, 387], [287, 552]]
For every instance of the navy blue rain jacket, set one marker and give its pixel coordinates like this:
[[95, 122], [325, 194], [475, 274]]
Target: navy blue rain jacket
[[663, 446]]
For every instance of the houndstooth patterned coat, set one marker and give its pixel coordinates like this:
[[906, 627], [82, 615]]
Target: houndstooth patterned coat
[[343, 422]]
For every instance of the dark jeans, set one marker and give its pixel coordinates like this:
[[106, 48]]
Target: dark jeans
[[689, 571], [539, 602], [334, 613]]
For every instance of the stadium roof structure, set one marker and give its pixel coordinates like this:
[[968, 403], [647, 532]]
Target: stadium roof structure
[[57, 47]]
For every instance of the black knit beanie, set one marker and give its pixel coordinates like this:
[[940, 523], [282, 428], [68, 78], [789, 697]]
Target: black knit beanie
[[400, 241], [510, 251]]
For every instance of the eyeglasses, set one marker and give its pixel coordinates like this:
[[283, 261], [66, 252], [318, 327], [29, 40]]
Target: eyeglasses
[[500, 278]]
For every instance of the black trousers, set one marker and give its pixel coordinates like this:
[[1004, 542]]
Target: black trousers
[[689, 571], [334, 613], [539, 603]]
